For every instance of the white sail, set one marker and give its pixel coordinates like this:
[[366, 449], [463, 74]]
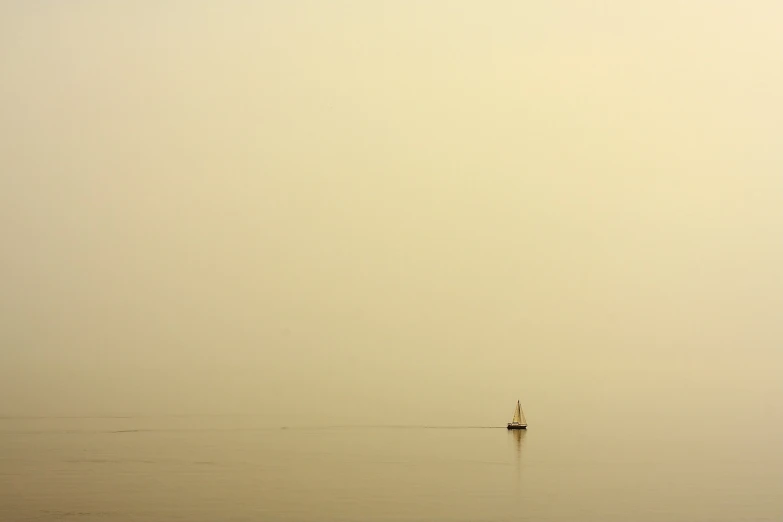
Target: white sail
[[517, 415]]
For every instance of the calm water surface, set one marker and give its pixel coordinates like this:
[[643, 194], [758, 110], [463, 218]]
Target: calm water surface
[[230, 468]]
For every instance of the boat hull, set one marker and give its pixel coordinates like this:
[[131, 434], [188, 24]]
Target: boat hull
[[517, 426]]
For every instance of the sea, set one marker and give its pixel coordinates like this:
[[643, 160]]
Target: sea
[[224, 468]]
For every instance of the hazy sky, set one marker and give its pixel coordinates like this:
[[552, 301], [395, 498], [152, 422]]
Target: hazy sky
[[391, 211]]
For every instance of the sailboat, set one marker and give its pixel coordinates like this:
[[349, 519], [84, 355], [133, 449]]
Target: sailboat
[[518, 422]]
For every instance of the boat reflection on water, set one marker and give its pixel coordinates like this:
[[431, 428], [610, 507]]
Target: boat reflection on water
[[517, 438]]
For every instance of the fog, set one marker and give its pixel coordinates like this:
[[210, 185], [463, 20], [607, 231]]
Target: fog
[[392, 212]]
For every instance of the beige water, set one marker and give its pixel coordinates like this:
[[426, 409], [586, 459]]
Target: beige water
[[238, 469]]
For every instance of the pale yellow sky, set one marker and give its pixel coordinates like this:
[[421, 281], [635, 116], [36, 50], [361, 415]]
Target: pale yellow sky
[[399, 211]]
